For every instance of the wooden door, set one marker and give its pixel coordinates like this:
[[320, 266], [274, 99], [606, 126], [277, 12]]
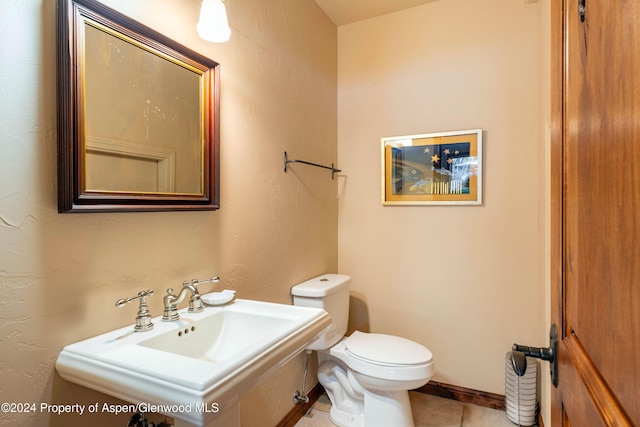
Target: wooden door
[[596, 211]]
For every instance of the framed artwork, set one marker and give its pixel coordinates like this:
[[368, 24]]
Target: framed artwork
[[433, 169]]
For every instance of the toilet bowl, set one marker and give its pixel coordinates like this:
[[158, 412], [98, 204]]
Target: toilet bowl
[[367, 376]]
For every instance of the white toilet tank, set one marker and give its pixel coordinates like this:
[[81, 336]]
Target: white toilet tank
[[331, 293]]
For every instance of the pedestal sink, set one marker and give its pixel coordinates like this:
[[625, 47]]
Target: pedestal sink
[[194, 369]]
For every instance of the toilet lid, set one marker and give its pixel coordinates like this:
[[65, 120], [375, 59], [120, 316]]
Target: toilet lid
[[387, 349]]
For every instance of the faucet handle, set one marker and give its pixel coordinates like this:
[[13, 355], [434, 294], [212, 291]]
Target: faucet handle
[[214, 279], [143, 318], [196, 282], [195, 303], [142, 295]]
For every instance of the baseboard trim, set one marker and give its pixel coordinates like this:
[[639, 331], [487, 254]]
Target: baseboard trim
[[463, 394], [298, 411], [434, 388]]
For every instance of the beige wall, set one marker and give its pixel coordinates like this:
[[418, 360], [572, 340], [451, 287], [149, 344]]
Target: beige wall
[[61, 274], [466, 281]]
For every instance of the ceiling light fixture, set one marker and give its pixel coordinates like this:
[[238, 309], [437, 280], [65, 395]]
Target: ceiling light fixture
[[213, 25]]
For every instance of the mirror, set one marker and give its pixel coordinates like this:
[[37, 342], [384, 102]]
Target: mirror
[[138, 116]]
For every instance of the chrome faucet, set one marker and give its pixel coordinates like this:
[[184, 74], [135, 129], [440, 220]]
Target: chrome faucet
[[143, 318], [171, 300]]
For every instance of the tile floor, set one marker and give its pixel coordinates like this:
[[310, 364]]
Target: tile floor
[[428, 411]]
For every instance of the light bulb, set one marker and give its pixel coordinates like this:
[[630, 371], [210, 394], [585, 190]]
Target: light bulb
[[213, 25]]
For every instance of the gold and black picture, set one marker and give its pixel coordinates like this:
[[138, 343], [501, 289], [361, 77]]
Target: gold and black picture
[[437, 168]]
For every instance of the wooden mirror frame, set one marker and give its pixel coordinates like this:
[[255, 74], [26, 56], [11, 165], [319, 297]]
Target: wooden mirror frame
[[70, 93]]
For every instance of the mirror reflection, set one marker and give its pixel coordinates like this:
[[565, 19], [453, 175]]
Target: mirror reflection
[[142, 119]]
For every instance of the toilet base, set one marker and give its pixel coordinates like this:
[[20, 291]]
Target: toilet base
[[354, 406], [387, 408], [344, 419], [380, 410]]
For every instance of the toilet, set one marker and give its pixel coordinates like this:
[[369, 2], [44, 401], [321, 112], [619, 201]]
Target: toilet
[[367, 376]]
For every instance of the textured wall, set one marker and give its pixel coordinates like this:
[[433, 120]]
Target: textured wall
[[464, 281], [61, 274]]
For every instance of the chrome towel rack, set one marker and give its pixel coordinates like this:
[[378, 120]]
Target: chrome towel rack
[[332, 169]]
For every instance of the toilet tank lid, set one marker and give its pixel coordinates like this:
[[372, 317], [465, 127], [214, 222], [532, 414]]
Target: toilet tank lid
[[321, 286]]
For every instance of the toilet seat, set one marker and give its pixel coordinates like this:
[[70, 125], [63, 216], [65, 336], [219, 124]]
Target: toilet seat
[[385, 357], [387, 350]]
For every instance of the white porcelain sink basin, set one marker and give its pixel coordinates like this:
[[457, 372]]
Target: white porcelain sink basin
[[196, 368]]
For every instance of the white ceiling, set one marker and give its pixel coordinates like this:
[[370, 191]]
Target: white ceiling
[[344, 12]]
